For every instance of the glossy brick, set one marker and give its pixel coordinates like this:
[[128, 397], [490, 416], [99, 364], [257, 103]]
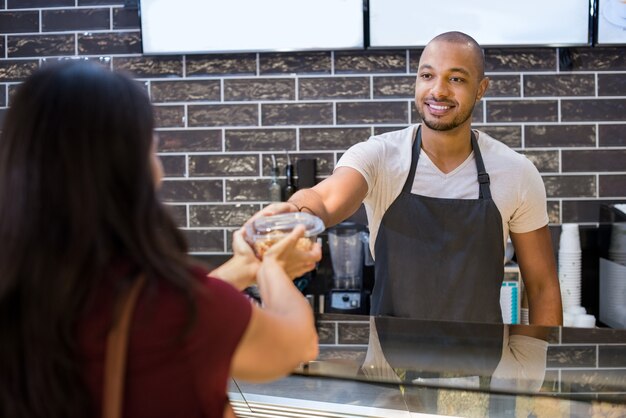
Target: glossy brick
[[75, 20], [394, 87], [169, 116], [504, 86], [593, 110], [247, 190], [332, 138], [173, 165], [220, 215], [223, 115], [559, 85], [612, 135], [561, 136], [191, 190], [570, 186], [259, 89], [223, 165], [594, 160], [151, 66], [185, 91], [295, 62], [190, 140], [372, 112], [109, 43], [124, 18], [17, 70], [522, 111], [220, 64], [612, 185], [370, 62], [260, 139], [333, 88], [40, 45], [205, 240], [520, 59], [19, 22], [297, 114]]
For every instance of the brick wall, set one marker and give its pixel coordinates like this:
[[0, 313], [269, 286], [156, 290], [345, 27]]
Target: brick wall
[[220, 117]]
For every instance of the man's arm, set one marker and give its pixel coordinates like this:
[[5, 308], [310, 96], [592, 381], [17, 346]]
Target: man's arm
[[335, 198], [538, 269]]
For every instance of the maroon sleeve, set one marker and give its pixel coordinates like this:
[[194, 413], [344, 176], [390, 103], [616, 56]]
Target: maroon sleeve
[[222, 318]]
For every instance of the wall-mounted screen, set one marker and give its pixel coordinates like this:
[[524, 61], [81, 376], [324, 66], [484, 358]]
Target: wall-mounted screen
[[412, 23], [205, 26], [611, 22]]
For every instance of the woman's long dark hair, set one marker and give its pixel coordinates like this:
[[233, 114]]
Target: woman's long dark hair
[[76, 192]]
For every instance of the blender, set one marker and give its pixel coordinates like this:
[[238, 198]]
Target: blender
[[345, 242]]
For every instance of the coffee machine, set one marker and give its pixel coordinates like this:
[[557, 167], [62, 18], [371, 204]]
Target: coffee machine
[[350, 256]]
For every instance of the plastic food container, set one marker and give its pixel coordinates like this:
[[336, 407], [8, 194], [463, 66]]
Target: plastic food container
[[266, 231]]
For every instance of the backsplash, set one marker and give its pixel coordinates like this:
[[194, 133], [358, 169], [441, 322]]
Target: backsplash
[[220, 117]]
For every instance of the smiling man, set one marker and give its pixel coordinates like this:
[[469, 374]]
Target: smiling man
[[441, 201]]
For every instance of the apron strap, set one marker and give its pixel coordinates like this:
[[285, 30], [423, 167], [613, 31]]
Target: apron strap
[[484, 192]]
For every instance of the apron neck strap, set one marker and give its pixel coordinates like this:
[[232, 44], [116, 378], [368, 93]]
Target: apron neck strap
[[484, 192]]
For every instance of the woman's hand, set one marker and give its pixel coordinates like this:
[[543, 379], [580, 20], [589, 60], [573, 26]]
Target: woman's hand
[[291, 257], [241, 269]]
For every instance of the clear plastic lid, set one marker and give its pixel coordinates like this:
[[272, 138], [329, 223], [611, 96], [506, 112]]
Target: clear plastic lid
[[283, 224]]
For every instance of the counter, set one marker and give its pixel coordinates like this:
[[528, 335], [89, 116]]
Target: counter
[[431, 368]]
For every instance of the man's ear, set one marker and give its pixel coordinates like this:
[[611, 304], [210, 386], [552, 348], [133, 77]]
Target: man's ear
[[482, 88]]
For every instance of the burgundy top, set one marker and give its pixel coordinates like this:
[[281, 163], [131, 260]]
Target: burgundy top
[[168, 373]]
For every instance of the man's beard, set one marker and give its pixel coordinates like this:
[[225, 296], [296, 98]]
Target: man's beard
[[437, 125]]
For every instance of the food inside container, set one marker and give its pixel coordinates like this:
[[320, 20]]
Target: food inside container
[[264, 232]]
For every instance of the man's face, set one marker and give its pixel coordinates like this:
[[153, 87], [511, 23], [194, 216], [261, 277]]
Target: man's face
[[448, 86]]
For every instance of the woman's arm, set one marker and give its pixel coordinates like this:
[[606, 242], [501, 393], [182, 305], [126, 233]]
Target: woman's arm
[[282, 334]]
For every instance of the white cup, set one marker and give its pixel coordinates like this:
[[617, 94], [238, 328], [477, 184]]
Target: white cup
[[576, 310], [570, 238], [585, 321], [618, 8]]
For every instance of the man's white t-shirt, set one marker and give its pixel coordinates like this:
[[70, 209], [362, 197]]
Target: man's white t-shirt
[[384, 161]]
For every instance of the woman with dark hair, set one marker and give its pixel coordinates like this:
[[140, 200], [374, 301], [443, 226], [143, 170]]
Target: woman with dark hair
[[80, 221]]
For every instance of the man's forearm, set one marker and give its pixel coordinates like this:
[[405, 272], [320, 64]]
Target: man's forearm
[[308, 200]]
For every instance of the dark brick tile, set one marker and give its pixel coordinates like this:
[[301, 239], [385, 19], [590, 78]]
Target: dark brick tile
[[247, 190], [559, 85], [353, 332], [560, 136], [220, 64], [333, 88], [594, 160], [297, 114], [19, 22], [124, 18], [75, 19], [509, 135], [150, 66], [593, 110], [379, 130], [178, 213], [295, 62], [173, 165], [190, 140], [554, 212], [260, 139], [522, 111], [504, 86], [592, 380], [414, 59], [520, 59], [220, 215], [370, 62], [570, 186], [332, 138], [613, 186], [3, 95], [598, 59], [12, 89], [612, 356], [2, 116], [259, 89], [17, 70], [101, 2], [109, 43], [40, 45], [372, 112], [191, 190], [561, 356], [327, 332], [223, 165], [223, 115], [612, 135], [27, 4], [169, 116], [585, 211], [185, 90], [545, 161], [394, 87], [202, 240], [611, 84], [2, 47], [324, 162]]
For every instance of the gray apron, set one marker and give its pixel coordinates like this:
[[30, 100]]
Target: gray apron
[[440, 259]]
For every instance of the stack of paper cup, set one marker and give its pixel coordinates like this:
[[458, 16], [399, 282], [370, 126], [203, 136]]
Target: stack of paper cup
[[617, 248], [576, 316], [570, 265]]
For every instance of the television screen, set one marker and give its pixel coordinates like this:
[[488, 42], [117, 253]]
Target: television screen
[[205, 26], [611, 22], [412, 23]]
